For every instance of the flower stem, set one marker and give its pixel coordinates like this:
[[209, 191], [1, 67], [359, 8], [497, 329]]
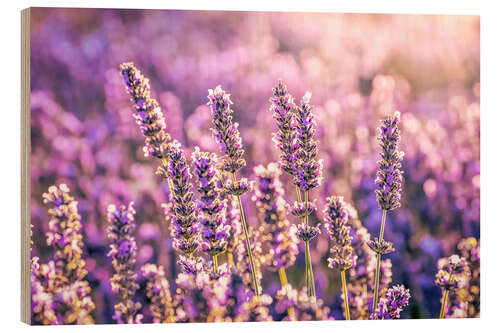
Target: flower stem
[[344, 291], [230, 258], [284, 282], [247, 240], [445, 300], [308, 252], [216, 264], [377, 272]]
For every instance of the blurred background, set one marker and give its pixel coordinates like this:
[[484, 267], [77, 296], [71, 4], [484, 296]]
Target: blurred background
[[359, 69]]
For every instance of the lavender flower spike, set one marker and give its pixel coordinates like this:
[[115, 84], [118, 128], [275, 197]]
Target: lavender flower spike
[[336, 224], [123, 252], [308, 173], [279, 243], [283, 109], [215, 228], [388, 181], [147, 114], [185, 229], [451, 274], [158, 293], [389, 176], [227, 135], [391, 306], [226, 132]]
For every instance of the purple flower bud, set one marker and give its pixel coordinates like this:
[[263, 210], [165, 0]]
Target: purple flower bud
[[391, 306], [336, 224], [389, 175], [306, 232], [215, 228], [283, 109], [123, 251], [308, 170], [226, 132], [147, 114]]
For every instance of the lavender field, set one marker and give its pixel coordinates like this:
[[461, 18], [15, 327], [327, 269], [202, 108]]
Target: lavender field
[[194, 166]]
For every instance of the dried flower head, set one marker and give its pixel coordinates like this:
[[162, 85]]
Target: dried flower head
[[380, 246], [389, 175], [299, 208], [306, 232], [238, 187]]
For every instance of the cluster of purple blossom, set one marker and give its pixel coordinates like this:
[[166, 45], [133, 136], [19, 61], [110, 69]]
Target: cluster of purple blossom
[[98, 155]]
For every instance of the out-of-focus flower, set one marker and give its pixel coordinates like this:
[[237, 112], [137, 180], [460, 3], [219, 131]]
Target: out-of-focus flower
[[390, 307], [451, 272], [278, 242], [158, 294], [123, 251], [225, 131], [58, 292], [389, 175]]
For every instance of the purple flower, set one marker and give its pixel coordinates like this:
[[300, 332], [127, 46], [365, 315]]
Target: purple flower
[[123, 251], [215, 228], [451, 272], [306, 232], [283, 109], [158, 294], [239, 187], [59, 293], [299, 208], [389, 176], [226, 132], [308, 170], [185, 224], [147, 114], [336, 224], [391, 306], [279, 243]]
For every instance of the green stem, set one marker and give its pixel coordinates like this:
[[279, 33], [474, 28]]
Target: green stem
[[216, 264], [247, 240], [344, 291], [308, 252], [445, 300], [377, 272]]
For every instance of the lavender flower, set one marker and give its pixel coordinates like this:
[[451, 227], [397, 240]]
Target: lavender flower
[[307, 232], [336, 224], [238, 187], [466, 302], [59, 293], [391, 306], [158, 293], [308, 173], [283, 109], [279, 243], [123, 252], [453, 272], [185, 225], [389, 175], [302, 209], [215, 228], [65, 235], [226, 132], [147, 114]]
